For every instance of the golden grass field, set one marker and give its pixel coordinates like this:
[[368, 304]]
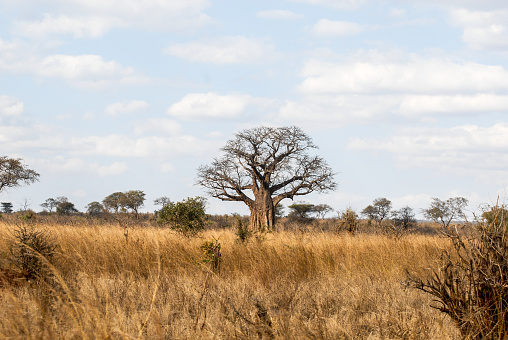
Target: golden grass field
[[287, 285]]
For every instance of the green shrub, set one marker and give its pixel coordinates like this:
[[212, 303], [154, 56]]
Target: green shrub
[[242, 230], [211, 254], [187, 216]]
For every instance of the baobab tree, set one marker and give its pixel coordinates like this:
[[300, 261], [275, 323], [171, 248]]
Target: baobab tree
[[264, 165]]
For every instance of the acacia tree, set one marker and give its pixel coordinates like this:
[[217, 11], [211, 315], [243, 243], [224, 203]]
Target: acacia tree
[[13, 173], [444, 212], [379, 210], [264, 165]]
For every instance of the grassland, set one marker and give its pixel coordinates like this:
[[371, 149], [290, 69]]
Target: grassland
[[286, 285]]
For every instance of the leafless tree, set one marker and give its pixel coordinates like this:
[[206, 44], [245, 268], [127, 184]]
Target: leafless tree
[[264, 165], [13, 173]]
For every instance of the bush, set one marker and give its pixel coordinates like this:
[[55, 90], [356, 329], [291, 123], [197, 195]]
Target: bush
[[472, 284], [29, 249], [211, 254], [187, 216], [349, 221]]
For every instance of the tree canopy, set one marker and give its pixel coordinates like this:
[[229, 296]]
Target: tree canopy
[[13, 173], [264, 165]]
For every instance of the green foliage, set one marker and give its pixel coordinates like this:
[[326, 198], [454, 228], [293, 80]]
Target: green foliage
[[444, 212], [29, 248], [28, 215], [66, 208], [95, 209], [13, 173], [379, 210], [187, 216], [123, 201], [300, 212], [496, 215], [211, 254], [242, 230]]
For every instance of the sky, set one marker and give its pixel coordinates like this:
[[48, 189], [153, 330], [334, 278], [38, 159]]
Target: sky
[[406, 100]]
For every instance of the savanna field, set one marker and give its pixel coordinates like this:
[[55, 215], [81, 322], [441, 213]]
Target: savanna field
[[140, 281]]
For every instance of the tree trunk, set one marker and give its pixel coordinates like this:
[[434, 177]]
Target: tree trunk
[[262, 212]]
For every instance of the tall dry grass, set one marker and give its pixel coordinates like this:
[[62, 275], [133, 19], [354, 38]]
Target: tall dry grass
[[289, 285]]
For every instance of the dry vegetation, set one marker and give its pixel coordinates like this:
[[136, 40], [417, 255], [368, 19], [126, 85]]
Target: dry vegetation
[[284, 285]]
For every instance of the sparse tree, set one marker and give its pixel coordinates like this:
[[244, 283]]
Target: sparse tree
[[444, 212], [300, 212], [321, 210], [115, 202], [7, 207], [66, 208], [162, 201], [95, 209], [50, 204], [264, 165], [14, 173], [403, 219], [379, 210], [134, 199]]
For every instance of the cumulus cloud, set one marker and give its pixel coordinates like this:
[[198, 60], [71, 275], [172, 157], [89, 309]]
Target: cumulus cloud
[[325, 27], [462, 150], [226, 50], [79, 27], [167, 127], [417, 75], [339, 4], [125, 107], [150, 146], [60, 164], [94, 18], [278, 14], [483, 29], [367, 89], [210, 105], [10, 106]]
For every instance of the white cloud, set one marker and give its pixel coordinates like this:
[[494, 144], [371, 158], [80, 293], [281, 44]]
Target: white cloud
[[90, 27], [151, 146], [168, 167], [60, 164], [210, 105], [92, 18], [278, 14], [10, 106], [163, 126], [340, 4], [325, 27], [125, 107], [226, 50], [414, 76], [483, 29], [469, 150]]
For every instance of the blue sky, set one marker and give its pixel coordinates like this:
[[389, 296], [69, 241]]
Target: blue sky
[[407, 100]]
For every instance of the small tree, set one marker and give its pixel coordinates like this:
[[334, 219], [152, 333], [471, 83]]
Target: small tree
[[115, 202], [321, 210], [95, 209], [300, 212], [444, 212], [404, 218], [134, 199], [66, 208], [7, 207], [162, 201], [14, 173], [379, 210], [51, 204], [187, 216]]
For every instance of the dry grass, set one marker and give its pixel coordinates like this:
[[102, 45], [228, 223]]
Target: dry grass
[[290, 285]]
